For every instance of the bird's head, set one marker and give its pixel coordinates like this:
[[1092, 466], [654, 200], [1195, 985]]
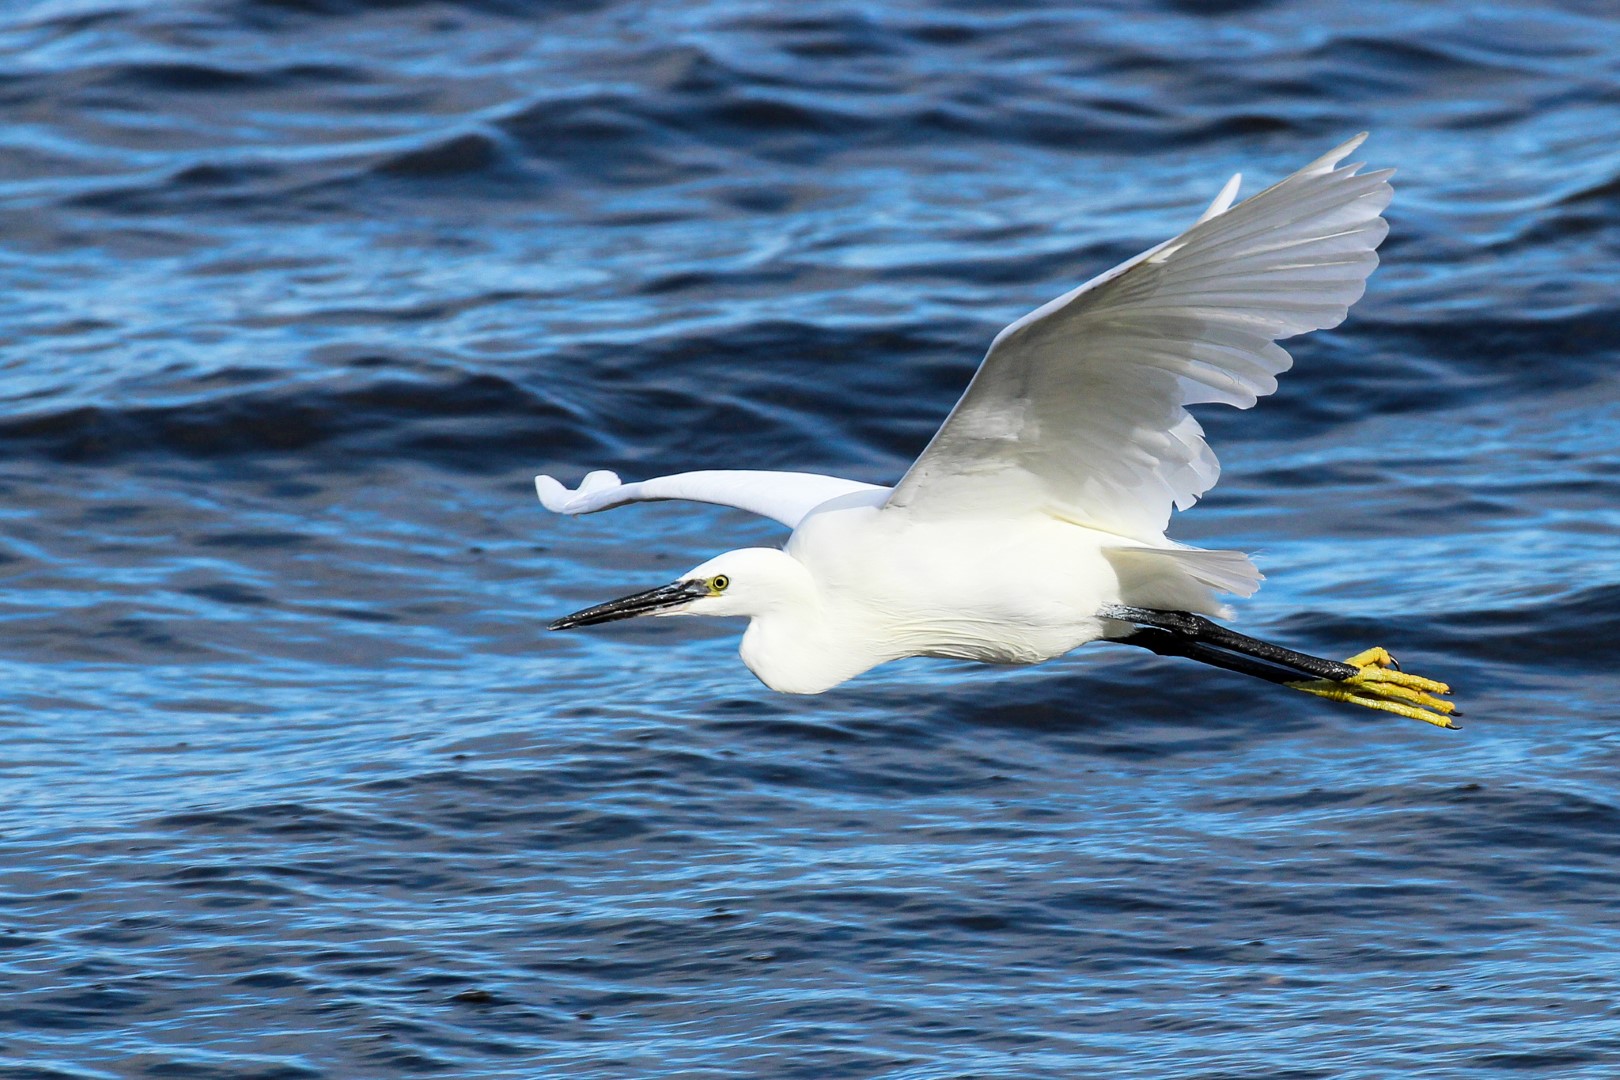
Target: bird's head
[[748, 581]]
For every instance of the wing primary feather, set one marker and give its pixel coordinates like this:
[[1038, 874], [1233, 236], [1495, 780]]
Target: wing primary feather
[[1079, 408], [1223, 201], [787, 497]]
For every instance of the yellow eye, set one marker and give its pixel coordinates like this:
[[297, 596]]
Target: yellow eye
[[718, 583]]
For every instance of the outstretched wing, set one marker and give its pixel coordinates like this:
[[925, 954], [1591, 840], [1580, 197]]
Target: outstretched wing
[[1079, 408], [785, 496]]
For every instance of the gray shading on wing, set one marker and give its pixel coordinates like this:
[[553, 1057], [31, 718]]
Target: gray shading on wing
[[1079, 408]]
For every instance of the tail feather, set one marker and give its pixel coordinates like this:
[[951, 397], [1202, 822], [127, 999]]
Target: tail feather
[[1177, 577]]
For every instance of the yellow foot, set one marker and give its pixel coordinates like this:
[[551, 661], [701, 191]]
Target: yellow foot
[[1376, 655], [1379, 683]]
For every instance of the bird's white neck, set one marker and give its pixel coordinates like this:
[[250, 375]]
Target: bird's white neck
[[802, 650], [795, 642], [798, 640]]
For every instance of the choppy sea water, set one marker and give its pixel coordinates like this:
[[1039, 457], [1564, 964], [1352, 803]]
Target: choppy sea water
[[295, 297]]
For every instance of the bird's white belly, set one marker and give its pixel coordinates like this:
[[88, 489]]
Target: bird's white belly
[[1019, 591]]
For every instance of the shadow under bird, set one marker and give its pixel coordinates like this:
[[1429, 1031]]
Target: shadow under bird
[[1034, 522]]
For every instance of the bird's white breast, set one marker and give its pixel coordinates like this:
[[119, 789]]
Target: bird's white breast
[[1018, 590]]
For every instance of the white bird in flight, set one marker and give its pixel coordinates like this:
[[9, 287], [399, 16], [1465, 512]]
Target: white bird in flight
[[1034, 522]]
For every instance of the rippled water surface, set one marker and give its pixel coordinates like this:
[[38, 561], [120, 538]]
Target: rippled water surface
[[295, 297]]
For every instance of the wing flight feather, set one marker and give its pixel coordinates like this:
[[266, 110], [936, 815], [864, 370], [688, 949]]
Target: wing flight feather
[[1079, 408], [785, 496]]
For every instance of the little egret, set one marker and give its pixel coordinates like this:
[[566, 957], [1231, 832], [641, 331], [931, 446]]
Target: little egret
[[1034, 522]]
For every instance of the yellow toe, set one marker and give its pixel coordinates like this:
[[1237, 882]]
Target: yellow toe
[[1401, 678], [1377, 656], [1379, 683]]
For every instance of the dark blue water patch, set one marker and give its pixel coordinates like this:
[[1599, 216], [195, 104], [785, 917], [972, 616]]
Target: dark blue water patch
[[1574, 632], [1554, 353], [486, 420], [423, 419], [454, 156], [188, 78], [431, 15]]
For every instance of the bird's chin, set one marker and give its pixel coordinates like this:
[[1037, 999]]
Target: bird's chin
[[673, 599]]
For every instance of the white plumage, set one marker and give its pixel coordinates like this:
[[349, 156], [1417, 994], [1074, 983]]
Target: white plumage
[[1041, 504], [783, 496]]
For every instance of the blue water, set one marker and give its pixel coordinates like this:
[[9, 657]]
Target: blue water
[[295, 297]]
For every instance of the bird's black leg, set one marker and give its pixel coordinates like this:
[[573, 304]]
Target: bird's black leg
[[1169, 643], [1369, 678], [1217, 642]]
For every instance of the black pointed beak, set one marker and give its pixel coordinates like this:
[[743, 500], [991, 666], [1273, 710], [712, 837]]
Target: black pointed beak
[[642, 603]]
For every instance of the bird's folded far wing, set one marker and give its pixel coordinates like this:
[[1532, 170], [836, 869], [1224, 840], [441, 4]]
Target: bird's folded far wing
[[785, 496], [1079, 408]]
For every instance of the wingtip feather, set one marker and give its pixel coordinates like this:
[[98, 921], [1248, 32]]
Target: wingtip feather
[[1223, 201], [1330, 160], [557, 498]]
